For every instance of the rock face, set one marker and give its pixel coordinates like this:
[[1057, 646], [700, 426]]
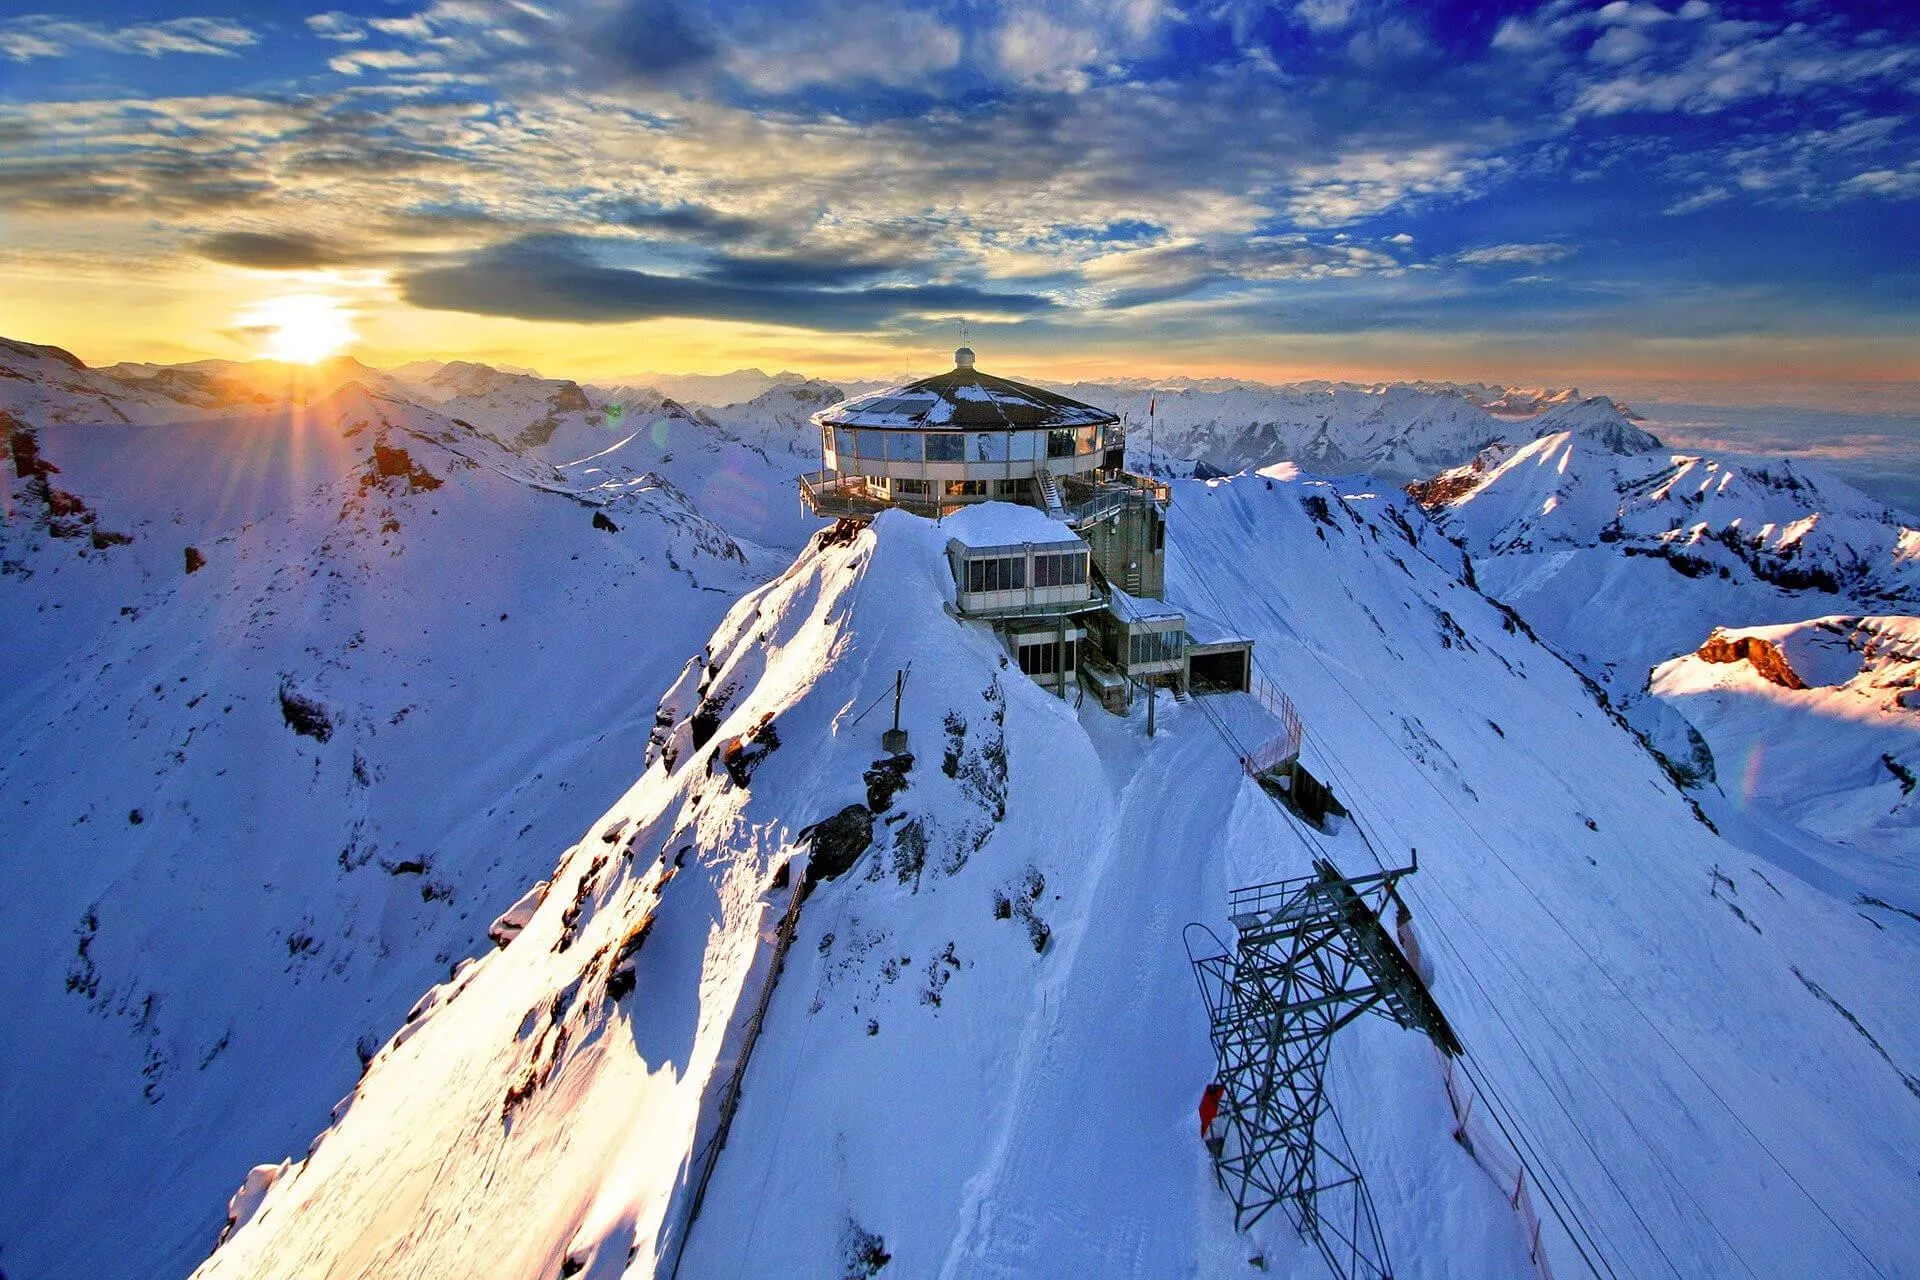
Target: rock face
[[1765, 656]]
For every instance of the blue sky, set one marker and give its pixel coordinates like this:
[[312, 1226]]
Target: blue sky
[[1688, 190]]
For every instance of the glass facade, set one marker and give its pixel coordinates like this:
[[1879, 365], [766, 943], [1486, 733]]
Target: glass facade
[[874, 445], [1062, 569], [1045, 657], [998, 573], [1155, 646]]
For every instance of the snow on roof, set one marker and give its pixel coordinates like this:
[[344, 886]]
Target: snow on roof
[[1204, 630], [1141, 609], [963, 397], [1006, 524]]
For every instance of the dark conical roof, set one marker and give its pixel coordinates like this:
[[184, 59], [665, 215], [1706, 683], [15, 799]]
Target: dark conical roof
[[963, 398]]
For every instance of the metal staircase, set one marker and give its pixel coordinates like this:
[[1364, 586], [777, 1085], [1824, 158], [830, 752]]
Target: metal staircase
[[1310, 956], [1050, 494]]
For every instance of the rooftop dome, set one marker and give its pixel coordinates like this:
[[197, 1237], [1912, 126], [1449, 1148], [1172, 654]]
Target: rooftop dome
[[963, 397]]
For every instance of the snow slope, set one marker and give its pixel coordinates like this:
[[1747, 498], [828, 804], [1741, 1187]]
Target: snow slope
[[1629, 564], [1586, 541], [1821, 725], [983, 1051], [253, 809]]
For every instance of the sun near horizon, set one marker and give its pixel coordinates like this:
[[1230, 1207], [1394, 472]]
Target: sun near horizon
[[301, 328]]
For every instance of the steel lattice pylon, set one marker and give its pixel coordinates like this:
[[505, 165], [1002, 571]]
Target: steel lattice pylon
[[1311, 956]]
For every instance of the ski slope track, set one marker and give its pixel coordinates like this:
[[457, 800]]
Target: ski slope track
[[982, 1053]]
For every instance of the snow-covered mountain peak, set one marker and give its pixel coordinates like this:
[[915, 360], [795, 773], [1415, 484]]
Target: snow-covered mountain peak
[[868, 1013], [1601, 419]]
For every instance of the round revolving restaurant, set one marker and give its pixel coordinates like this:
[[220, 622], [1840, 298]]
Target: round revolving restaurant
[[958, 437]]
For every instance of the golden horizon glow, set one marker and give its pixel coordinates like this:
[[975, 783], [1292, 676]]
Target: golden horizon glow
[[302, 328], [196, 314]]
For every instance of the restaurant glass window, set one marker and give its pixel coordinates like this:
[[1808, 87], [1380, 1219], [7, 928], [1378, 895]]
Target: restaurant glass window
[[946, 446], [996, 573], [989, 446], [903, 446], [1060, 443]]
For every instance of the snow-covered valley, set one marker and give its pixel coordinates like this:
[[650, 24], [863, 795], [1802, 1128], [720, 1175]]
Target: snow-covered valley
[[455, 634], [1651, 570]]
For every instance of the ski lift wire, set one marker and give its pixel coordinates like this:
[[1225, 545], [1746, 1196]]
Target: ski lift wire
[[1613, 981]]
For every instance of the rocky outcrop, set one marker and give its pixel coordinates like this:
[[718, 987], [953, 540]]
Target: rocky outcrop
[[1765, 657], [393, 463]]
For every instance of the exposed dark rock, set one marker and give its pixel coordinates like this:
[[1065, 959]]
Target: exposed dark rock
[[195, 560], [1764, 656], [395, 463], [25, 448], [744, 754], [866, 1252], [706, 718], [837, 843], [841, 534], [886, 779], [600, 521], [570, 917], [305, 715], [621, 976]]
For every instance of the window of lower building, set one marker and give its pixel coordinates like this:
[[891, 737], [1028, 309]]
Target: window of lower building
[[999, 573], [1045, 657], [1155, 646], [1060, 569], [913, 488], [966, 488], [946, 446]]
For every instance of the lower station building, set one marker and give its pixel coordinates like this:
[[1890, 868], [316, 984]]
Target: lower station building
[[1052, 541]]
